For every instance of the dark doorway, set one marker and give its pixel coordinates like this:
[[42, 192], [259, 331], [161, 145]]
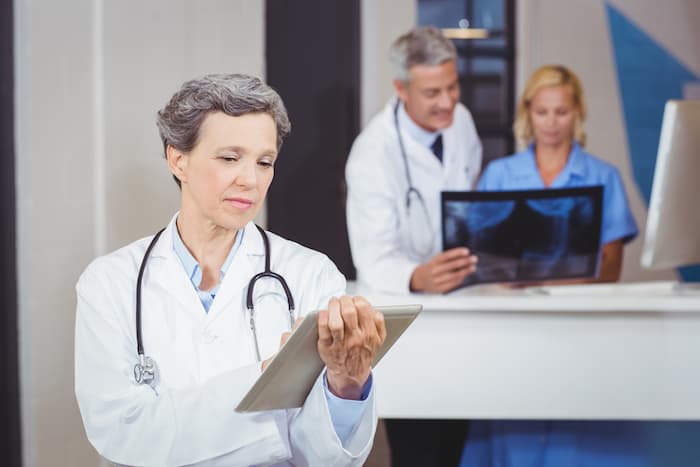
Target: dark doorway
[[10, 441], [313, 57], [486, 66]]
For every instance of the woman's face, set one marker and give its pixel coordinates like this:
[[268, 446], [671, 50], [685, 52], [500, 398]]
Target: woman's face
[[226, 176], [553, 115]]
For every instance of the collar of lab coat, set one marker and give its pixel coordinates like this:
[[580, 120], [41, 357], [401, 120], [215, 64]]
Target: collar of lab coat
[[165, 269]]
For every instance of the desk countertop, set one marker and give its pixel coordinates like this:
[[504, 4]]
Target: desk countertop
[[621, 297], [621, 351]]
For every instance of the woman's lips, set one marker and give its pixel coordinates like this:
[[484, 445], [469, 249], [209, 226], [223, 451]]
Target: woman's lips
[[550, 134], [240, 203]]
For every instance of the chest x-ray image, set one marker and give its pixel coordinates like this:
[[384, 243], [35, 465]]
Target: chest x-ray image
[[526, 235]]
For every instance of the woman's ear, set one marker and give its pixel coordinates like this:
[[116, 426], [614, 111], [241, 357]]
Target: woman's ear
[[177, 163]]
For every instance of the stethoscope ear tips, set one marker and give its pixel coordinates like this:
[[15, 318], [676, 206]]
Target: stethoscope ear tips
[[146, 371]]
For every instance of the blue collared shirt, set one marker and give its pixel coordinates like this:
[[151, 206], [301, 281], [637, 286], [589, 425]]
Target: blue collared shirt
[[194, 272], [345, 414], [519, 172]]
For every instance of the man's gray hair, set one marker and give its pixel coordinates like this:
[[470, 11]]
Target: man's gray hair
[[420, 46], [180, 120]]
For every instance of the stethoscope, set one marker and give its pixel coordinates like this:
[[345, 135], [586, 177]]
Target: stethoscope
[[412, 191], [146, 370], [404, 158]]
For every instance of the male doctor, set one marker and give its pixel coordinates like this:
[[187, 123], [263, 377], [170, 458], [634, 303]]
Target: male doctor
[[422, 143], [221, 135]]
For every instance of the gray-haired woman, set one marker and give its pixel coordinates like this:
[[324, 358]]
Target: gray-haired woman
[[221, 135]]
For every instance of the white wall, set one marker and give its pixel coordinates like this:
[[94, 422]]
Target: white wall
[[90, 76], [576, 34], [382, 21]]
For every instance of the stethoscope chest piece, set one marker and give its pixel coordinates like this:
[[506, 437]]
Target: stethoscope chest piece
[[146, 371]]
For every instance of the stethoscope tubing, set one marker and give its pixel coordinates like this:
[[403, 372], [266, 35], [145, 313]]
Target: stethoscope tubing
[[249, 296], [404, 157], [407, 171], [139, 281]]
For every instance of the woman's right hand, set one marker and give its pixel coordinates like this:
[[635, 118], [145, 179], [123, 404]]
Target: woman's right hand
[[283, 340]]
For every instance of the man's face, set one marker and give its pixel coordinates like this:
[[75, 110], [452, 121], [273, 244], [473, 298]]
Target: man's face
[[430, 95]]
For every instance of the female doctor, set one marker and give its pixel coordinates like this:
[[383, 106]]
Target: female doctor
[[171, 332]]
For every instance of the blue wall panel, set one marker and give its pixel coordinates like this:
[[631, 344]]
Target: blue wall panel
[[648, 75]]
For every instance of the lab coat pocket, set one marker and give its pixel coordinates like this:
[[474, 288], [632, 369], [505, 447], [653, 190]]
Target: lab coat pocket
[[168, 341]]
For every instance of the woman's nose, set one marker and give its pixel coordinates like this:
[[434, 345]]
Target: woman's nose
[[247, 176]]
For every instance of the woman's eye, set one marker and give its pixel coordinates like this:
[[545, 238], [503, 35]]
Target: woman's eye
[[228, 157], [266, 164]]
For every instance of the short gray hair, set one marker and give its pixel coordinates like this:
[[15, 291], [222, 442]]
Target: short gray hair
[[420, 46], [180, 120]]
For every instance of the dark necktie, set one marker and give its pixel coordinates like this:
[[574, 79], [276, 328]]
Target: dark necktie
[[437, 147]]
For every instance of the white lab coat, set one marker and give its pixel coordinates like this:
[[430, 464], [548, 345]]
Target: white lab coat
[[378, 222], [207, 361]]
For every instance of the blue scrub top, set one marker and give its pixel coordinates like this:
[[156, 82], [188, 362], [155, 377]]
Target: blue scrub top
[[519, 172]]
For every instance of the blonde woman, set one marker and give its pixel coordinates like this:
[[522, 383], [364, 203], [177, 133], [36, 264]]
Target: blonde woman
[[549, 130]]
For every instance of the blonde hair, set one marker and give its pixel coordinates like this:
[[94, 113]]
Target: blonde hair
[[549, 76]]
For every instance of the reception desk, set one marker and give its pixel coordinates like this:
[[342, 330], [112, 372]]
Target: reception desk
[[624, 351]]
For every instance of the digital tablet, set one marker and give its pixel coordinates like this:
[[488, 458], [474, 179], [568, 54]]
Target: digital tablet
[[288, 379]]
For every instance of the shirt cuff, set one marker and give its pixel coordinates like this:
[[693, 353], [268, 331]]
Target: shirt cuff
[[346, 413]]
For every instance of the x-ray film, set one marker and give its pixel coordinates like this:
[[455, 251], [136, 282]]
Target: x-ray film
[[526, 235]]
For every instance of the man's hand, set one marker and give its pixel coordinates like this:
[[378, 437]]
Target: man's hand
[[350, 332], [444, 271]]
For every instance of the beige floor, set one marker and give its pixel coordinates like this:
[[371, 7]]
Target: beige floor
[[380, 455]]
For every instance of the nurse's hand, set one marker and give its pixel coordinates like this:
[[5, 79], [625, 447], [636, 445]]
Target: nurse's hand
[[350, 332], [444, 272]]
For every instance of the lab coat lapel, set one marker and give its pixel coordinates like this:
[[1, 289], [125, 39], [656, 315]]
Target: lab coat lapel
[[449, 144], [167, 271], [419, 156]]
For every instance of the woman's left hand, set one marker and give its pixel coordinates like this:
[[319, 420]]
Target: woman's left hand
[[350, 332]]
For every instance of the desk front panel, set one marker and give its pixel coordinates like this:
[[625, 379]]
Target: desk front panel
[[528, 365]]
